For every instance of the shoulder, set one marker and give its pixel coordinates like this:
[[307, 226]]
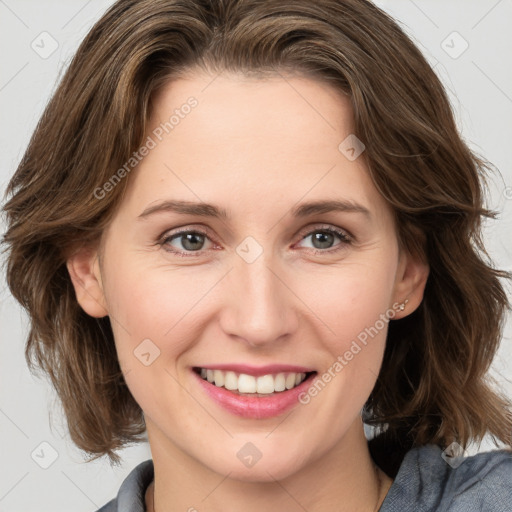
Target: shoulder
[[131, 495], [483, 481], [433, 482]]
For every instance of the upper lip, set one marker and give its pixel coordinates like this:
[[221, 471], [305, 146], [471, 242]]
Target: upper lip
[[258, 370]]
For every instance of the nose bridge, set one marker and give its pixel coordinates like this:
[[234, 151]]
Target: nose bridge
[[260, 310]]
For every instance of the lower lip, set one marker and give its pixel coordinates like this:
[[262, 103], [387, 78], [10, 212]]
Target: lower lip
[[255, 407]]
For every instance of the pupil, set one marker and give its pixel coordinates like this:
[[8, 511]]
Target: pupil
[[323, 239], [191, 239]]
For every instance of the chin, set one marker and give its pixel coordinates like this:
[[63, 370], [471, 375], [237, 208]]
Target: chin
[[261, 472], [249, 464]]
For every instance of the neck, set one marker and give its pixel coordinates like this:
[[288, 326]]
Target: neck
[[344, 479]]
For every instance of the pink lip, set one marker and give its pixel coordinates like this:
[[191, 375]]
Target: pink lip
[[256, 371], [254, 407]]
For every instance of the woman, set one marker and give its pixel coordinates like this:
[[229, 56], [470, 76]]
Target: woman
[[247, 228]]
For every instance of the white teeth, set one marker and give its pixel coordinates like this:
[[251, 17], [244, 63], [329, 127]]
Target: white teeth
[[265, 384], [243, 383], [246, 383], [290, 381], [231, 381], [280, 382], [218, 377]]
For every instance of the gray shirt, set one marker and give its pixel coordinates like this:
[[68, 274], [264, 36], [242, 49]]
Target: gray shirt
[[425, 482]]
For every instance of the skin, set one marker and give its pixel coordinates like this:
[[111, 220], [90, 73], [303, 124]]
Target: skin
[[256, 147]]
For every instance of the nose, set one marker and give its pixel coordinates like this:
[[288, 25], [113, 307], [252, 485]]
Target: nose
[[260, 308]]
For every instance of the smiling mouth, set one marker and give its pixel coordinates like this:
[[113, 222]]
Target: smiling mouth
[[250, 385]]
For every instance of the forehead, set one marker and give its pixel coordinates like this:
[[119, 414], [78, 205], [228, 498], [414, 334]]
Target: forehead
[[295, 108], [256, 141]]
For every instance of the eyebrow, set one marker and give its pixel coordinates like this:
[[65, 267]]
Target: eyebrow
[[209, 210]]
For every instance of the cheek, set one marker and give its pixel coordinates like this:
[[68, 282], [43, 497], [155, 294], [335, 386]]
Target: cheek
[[151, 322], [351, 299], [157, 305], [354, 305]]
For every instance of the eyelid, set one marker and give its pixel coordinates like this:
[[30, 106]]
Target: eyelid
[[188, 228], [326, 227]]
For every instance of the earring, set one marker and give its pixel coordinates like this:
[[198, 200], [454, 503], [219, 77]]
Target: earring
[[401, 307]]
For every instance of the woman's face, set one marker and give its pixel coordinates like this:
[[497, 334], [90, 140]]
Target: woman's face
[[263, 281]]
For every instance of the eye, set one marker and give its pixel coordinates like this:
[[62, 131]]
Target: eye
[[182, 242], [323, 239], [192, 242]]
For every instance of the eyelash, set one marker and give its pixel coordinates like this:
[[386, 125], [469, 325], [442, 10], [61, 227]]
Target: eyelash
[[344, 237]]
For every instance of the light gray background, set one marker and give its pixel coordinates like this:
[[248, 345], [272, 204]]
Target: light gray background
[[479, 81]]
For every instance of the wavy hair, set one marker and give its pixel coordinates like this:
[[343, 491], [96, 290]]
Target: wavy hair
[[433, 385]]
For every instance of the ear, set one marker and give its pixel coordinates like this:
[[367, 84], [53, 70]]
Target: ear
[[411, 279], [84, 270]]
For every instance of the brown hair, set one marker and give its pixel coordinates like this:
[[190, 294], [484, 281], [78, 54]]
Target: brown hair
[[433, 386]]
